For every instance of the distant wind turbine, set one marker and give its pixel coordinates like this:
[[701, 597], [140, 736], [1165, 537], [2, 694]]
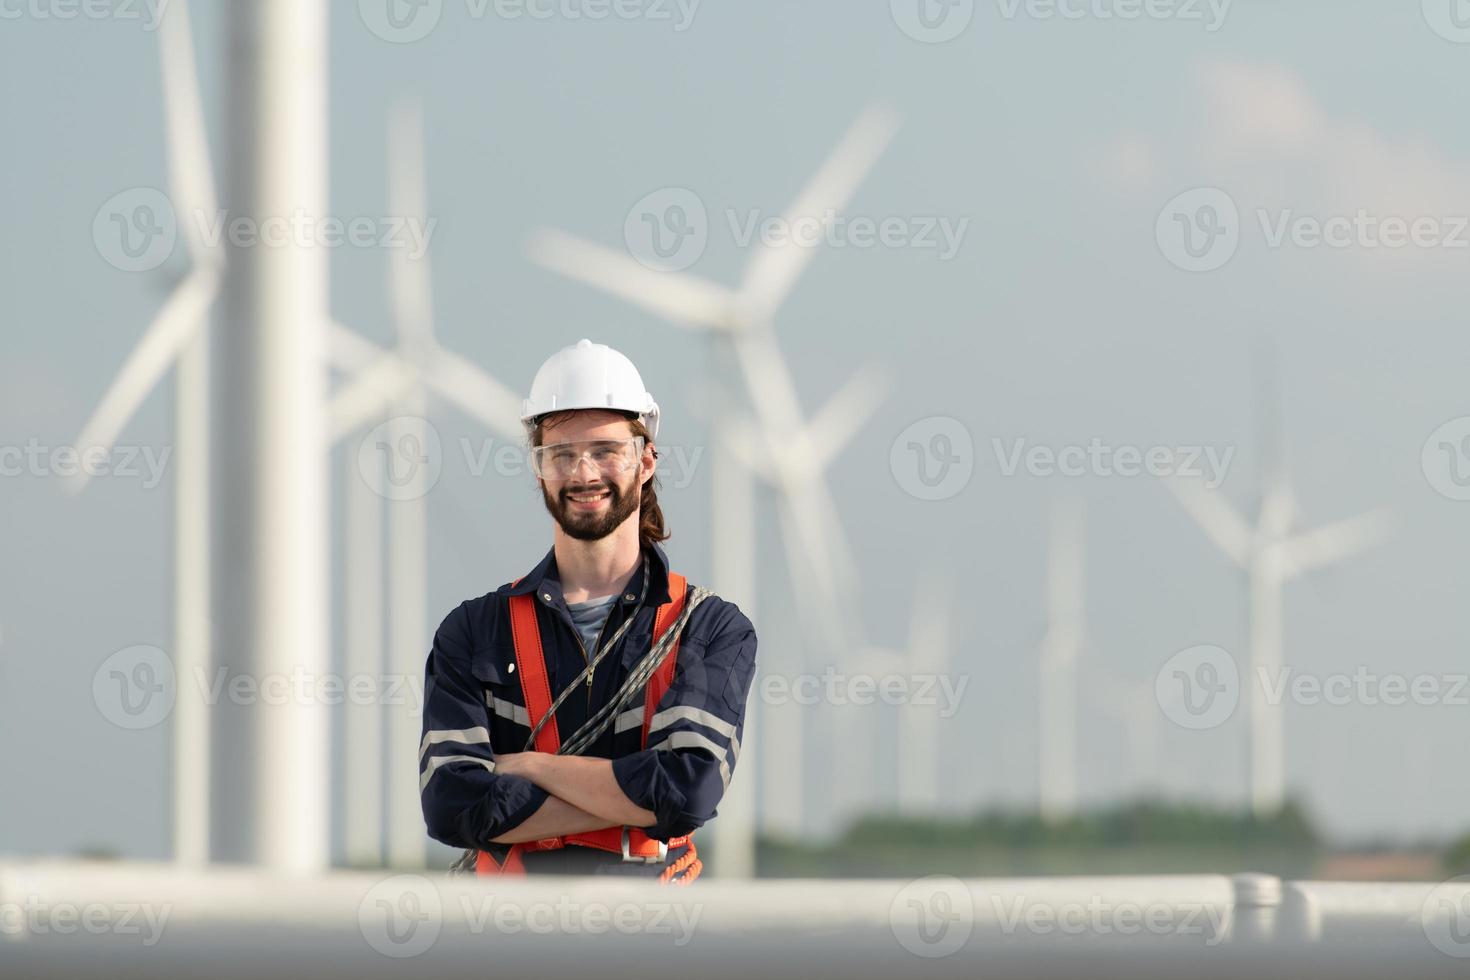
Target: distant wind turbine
[[1272, 553], [397, 384], [1057, 665], [176, 336]]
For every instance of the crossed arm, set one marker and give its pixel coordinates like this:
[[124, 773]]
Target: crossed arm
[[584, 796]]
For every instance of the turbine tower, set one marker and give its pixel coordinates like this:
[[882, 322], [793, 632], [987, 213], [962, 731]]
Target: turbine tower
[[1272, 552], [177, 336], [272, 778], [791, 453], [1057, 664]]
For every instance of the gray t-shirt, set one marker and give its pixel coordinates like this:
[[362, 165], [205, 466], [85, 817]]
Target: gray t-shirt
[[588, 617]]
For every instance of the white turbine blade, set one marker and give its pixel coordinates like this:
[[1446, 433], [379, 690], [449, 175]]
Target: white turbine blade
[[846, 412], [816, 601], [349, 352], [775, 268], [474, 391], [747, 445], [1213, 513], [409, 282], [768, 383], [1338, 541], [369, 396], [191, 182], [682, 299], [172, 328]]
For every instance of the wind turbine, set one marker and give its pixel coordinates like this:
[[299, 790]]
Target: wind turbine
[[1057, 665], [740, 326], [177, 337], [928, 652], [396, 384], [1272, 552]]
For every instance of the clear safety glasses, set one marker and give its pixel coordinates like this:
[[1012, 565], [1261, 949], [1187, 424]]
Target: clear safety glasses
[[562, 460]]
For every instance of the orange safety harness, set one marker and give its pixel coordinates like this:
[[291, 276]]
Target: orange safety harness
[[631, 842]]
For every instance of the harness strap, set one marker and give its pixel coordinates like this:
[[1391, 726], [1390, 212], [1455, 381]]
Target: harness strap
[[536, 689]]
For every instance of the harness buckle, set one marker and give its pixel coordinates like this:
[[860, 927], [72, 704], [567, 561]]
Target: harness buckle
[[630, 858]]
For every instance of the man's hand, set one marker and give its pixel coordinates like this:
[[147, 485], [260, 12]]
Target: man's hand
[[587, 784]]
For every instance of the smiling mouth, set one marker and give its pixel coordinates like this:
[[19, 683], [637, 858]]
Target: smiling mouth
[[588, 499]]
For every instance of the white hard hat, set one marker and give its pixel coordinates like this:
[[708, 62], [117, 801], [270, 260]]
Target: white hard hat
[[588, 375]]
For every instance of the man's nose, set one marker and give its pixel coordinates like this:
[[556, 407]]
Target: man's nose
[[591, 466]]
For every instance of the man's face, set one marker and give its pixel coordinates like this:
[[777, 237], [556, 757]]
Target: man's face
[[591, 504]]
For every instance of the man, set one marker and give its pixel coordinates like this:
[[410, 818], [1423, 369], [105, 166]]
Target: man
[[627, 688]]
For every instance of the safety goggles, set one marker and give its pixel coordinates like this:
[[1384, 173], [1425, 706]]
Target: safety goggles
[[562, 460]]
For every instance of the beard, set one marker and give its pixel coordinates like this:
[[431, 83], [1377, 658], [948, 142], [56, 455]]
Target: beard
[[621, 502]]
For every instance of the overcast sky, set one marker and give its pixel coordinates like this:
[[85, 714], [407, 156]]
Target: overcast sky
[[1065, 306]]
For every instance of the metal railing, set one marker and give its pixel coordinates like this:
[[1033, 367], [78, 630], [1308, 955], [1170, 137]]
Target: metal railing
[[127, 920]]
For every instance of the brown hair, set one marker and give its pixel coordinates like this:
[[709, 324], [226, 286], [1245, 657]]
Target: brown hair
[[650, 514]]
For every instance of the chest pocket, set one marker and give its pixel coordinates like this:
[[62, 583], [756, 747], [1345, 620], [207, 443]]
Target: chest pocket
[[502, 688]]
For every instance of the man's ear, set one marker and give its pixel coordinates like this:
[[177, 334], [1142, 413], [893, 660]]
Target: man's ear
[[649, 459]]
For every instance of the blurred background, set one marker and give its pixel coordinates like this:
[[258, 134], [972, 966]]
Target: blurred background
[[1089, 373]]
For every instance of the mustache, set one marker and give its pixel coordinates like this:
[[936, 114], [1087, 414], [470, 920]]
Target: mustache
[[588, 488]]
